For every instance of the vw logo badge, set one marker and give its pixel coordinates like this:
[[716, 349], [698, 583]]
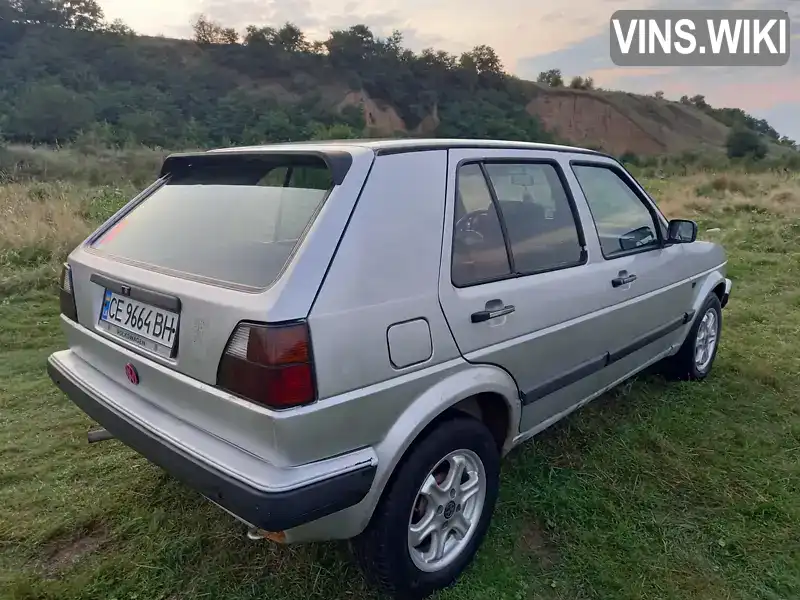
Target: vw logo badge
[[132, 374]]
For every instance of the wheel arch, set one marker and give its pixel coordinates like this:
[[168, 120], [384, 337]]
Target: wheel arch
[[485, 392], [713, 283]]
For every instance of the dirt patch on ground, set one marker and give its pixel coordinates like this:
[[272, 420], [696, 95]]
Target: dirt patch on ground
[[61, 554], [534, 541]]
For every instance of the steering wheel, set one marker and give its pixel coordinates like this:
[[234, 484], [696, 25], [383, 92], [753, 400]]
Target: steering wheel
[[469, 222]]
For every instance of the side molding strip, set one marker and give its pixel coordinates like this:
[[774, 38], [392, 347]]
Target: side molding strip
[[596, 364]]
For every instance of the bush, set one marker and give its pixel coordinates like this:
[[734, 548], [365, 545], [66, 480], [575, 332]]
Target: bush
[[743, 143]]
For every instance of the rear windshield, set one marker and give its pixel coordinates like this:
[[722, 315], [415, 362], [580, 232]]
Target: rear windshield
[[236, 222]]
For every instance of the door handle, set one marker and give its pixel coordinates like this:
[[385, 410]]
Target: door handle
[[623, 279], [485, 315]]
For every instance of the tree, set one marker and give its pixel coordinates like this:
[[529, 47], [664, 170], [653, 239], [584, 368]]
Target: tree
[[207, 31], [50, 113], [552, 78], [118, 27], [745, 142], [260, 35], [350, 47], [699, 101], [579, 83], [229, 36], [69, 14], [659, 95], [30, 12], [291, 38], [391, 46], [486, 60], [80, 14], [788, 142]]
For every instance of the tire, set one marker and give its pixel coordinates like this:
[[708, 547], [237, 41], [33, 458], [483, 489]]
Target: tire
[[683, 365], [383, 550]]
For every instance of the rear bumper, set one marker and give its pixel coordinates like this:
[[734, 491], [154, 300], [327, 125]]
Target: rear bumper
[[268, 510]]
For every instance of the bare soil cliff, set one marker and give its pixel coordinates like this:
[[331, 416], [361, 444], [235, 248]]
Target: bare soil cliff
[[620, 122], [617, 122]]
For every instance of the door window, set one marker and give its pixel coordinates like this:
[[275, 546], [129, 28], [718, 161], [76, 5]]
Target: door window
[[538, 217], [479, 250], [624, 224], [534, 231]]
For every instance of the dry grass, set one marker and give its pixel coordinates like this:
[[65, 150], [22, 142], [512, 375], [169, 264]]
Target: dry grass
[[42, 218], [707, 194], [91, 165], [40, 223]]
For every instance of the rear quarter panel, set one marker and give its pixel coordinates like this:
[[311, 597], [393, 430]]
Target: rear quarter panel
[[385, 272]]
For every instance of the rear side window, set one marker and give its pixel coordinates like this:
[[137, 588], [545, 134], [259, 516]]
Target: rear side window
[[236, 222]]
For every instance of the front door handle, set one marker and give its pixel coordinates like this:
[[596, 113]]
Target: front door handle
[[485, 315], [623, 279]]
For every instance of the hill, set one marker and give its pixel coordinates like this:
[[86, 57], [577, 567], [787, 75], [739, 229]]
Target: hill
[[63, 80]]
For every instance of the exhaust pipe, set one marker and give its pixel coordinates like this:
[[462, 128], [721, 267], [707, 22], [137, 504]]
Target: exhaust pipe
[[254, 533], [99, 435]]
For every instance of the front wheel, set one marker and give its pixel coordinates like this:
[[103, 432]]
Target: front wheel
[[696, 357], [435, 511]]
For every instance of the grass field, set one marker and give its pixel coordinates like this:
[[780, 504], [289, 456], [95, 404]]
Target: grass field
[[655, 490]]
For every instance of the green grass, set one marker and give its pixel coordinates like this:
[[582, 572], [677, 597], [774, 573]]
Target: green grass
[[656, 490]]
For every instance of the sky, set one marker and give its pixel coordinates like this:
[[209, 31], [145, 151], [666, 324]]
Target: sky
[[529, 36]]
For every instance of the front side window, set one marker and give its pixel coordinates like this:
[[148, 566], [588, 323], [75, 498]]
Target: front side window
[[623, 222]]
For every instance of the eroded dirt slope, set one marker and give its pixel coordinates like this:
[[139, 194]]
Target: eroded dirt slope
[[621, 122]]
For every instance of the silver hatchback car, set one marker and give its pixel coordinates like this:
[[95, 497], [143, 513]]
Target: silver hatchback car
[[340, 340]]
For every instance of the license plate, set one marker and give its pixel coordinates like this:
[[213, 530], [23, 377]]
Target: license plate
[[146, 326]]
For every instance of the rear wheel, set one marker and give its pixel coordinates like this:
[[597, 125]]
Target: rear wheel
[[434, 513], [696, 357]]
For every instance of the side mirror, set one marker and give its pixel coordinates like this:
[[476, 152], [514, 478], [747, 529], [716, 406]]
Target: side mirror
[[681, 231]]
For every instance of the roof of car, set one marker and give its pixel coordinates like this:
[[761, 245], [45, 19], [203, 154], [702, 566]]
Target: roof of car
[[398, 146]]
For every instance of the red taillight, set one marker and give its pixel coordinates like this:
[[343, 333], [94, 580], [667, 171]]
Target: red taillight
[[269, 365], [66, 295]]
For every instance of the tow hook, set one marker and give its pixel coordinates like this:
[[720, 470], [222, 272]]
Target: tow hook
[[99, 435]]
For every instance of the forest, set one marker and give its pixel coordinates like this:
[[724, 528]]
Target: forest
[[68, 75]]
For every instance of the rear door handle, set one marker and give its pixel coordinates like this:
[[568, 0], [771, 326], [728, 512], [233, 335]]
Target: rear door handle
[[623, 279], [485, 315]]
